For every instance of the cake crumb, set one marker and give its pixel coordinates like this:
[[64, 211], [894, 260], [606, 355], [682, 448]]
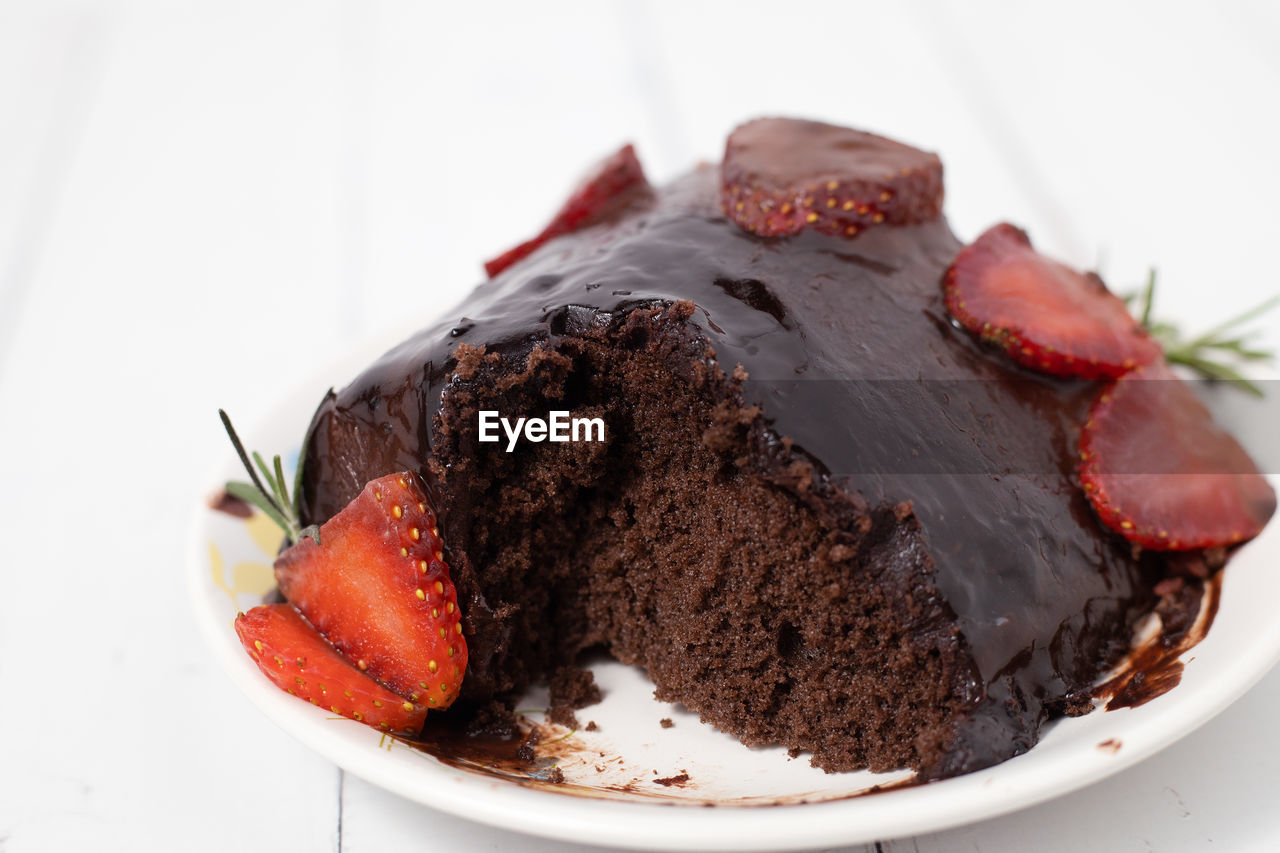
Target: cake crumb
[[470, 358], [668, 781], [800, 475], [666, 722], [793, 752], [681, 310], [573, 687], [1111, 745], [591, 726], [562, 715]]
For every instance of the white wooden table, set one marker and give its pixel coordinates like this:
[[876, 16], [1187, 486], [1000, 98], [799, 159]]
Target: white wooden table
[[191, 190]]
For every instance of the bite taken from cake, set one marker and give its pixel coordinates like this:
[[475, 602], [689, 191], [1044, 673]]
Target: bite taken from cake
[[845, 484]]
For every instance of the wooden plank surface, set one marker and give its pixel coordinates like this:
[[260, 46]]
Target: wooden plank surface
[[199, 199]]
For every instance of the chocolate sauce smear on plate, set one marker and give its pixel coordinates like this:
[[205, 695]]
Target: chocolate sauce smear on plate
[[1186, 613], [223, 501]]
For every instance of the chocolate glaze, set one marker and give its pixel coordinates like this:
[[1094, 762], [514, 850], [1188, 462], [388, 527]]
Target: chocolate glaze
[[857, 368]]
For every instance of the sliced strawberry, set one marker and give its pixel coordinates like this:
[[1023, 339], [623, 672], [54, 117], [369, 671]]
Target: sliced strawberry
[[781, 176], [599, 192], [1158, 471], [1043, 314], [293, 655], [377, 588]]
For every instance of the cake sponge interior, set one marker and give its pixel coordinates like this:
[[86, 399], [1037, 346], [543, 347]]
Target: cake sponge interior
[[669, 547]]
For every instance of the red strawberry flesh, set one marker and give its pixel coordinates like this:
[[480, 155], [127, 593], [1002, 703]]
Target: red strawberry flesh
[[780, 176], [609, 184], [1161, 473], [293, 655], [377, 588], [1044, 314]]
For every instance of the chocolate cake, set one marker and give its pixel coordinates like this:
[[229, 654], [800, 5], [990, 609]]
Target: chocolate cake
[[822, 515]]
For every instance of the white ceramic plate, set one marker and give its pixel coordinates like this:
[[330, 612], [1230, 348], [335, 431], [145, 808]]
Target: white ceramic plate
[[623, 778]]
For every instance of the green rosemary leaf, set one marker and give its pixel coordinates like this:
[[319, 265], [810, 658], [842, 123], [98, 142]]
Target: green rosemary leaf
[[244, 457], [273, 497], [1148, 298], [1243, 317], [1224, 344], [1215, 370], [284, 490], [1204, 352], [1240, 349], [274, 492], [258, 497]]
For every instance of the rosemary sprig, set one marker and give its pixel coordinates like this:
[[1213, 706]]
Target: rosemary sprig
[[1215, 353], [272, 498]]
